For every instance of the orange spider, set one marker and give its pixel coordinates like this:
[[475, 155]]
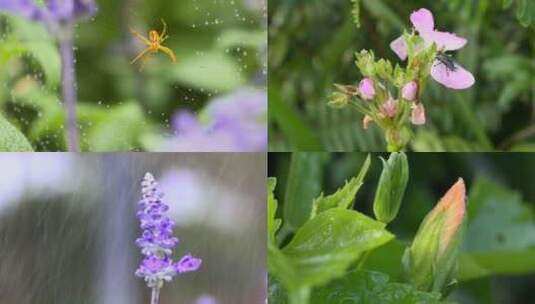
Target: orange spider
[[154, 43]]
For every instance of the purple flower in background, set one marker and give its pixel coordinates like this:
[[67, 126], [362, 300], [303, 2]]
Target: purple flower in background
[[157, 241], [206, 299], [53, 12], [235, 122]]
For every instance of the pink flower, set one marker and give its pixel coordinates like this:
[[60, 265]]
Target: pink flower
[[418, 114], [444, 71], [366, 89], [390, 107], [410, 91]]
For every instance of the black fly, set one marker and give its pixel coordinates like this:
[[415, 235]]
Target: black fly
[[447, 61]]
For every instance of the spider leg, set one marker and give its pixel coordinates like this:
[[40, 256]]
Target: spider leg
[[143, 62], [164, 31], [168, 51], [140, 55], [138, 35]]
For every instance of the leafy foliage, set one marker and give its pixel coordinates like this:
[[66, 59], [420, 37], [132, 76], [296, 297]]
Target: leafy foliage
[[360, 287], [11, 140], [326, 244], [498, 233]]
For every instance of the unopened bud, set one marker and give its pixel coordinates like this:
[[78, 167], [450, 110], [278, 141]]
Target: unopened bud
[[366, 121], [410, 91], [366, 89], [338, 100], [431, 259], [389, 108], [391, 188], [418, 114]]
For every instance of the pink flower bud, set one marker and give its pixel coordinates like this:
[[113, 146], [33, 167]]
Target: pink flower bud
[[366, 89], [418, 114], [410, 91], [366, 121], [390, 107]]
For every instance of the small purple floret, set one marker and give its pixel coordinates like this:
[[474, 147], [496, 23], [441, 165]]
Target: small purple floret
[[188, 263], [157, 240]]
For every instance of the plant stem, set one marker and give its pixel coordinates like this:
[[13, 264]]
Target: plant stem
[[68, 76], [155, 298]]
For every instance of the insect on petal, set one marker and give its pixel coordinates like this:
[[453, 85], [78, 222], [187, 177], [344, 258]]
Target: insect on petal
[[457, 79], [423, 21], [399, 47]]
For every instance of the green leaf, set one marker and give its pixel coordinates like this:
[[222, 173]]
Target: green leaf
[[291, 123], [500, 234], [37, 42], [363, 287], [360, 287], [343, 198], [240, 37], [118, 130], [214, 71], [498, 219], [11, 139], [474, 265], [303, 185], [273, 224], [325, 246]]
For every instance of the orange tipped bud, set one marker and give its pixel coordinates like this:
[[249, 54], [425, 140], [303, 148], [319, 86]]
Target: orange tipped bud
[[432, 257]]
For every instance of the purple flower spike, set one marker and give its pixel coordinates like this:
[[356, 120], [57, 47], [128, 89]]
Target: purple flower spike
[[157, 241]]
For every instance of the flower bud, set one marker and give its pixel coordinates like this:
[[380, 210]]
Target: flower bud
[[431, 260], [366, 63], [366, 121], [366, 89], [418, 114], [338, 100], [410, 91], [389, 108], [391, 188]]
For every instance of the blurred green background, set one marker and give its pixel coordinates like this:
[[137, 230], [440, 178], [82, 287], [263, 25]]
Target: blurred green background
[[220, 47], [497, 264], [312, 45]]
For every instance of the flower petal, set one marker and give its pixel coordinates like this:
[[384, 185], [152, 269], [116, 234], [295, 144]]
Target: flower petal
[[188, 263], [423, 21], [457, 79], [399, 46], [445, 41]]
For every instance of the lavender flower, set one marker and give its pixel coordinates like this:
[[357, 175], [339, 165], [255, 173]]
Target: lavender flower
[[157, 240], [59, 17], [236, 123]]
